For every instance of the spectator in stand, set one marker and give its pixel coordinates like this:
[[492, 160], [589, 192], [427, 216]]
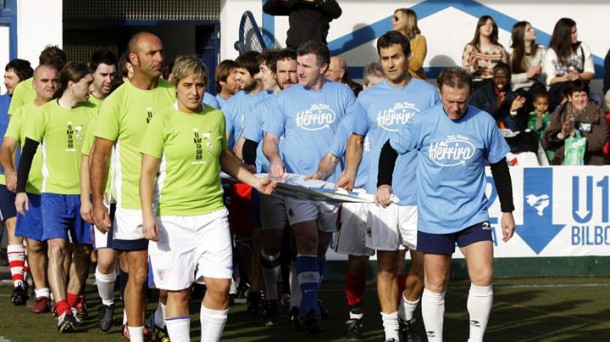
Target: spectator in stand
[[405, 22], [526, 58], [567, 60], [372, 75], [483, 52], [540, 118], [578, 116], [337, 72], [308, 19], [500, 101]]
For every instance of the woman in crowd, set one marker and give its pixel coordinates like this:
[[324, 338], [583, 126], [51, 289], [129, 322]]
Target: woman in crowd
[[405, 22], [182, 155], [578, 116], [566, 60], [526, 58], [483, 52]]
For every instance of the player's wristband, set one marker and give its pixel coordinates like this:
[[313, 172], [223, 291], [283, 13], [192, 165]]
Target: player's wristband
[[387, 161]]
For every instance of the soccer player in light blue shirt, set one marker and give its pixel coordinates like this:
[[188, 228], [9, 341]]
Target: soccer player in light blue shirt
[[241, 104], [226, 86], [384, 109], [274, 66], [308, 115], [452, 141]]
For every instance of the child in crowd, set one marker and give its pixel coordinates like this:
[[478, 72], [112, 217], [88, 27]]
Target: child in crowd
[[540, 117]]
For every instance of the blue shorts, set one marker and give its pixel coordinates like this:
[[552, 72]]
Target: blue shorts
[[445, 243], [61, 219], [30, 225], [7, 203]]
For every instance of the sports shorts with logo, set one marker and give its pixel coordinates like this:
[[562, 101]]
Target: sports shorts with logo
[[325, 214], [445, 243], [390, 227], [191, 248]]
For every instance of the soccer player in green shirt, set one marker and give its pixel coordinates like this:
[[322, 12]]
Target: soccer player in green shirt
[[103, 64], [59, 128], [24, 91], [121, 125], [30, 226], [183, 152]]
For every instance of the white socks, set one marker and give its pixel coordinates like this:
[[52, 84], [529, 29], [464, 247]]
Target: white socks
[[406, 308], [212, 324], [480, 300], [105, 286], [44, 292], [295, 288], [179, 328], [136, 334], [433, 312], [160, 315], [390, 325]]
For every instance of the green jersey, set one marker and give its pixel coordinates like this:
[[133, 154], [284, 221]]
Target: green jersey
[[88, 140], [95, 101], [60, 132], [189, 146], [24, 93], [123, 118], [16, 130]]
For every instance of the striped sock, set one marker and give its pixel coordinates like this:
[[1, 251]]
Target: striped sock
[[16, 262]]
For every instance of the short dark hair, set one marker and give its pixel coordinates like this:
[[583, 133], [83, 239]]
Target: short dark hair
[[249, 61], [394, 38], [267, 57], [454, 77], [21, 68], [502, 65], [577, 86], [102, 56], [53, 55], [282, 55], [317, 48]]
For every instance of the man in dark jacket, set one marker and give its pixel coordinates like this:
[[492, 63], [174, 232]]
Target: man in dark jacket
[[501, 102], [308, 19]]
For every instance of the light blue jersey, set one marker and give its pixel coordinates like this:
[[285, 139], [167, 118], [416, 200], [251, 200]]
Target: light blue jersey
[[308, 119], [450, 168], [210, 100], [236, 108], [385, 109], [339, 146], [253, 129], [221, 101]]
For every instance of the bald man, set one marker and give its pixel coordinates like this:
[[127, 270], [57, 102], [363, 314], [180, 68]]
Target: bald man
[[122, 121], [337, 72]]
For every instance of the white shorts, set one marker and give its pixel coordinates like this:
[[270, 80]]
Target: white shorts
[[351, 234], [390, 227], [325, 214], [191, 248], [127, 230]]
